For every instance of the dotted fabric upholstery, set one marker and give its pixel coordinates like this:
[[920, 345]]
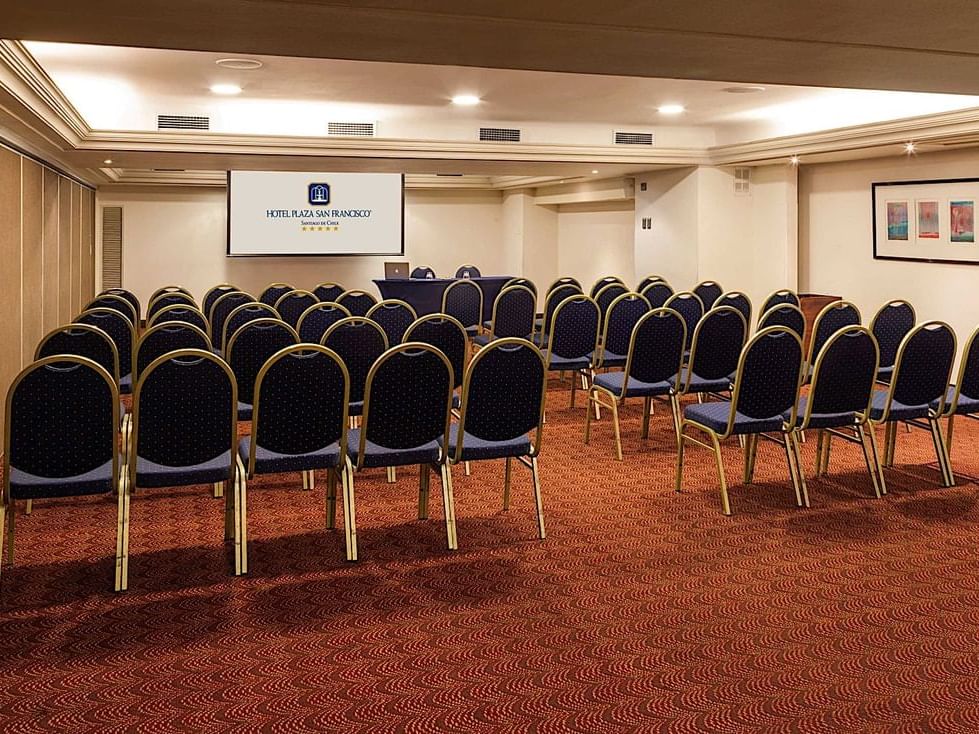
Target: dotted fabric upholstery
[[95, 345], [690, 309], [505, 392], [832, 321], [784, 315], [514, 313], [613, 382], [605, 297], [252, 346], [621, 319], [60, 427], [359, 344], [167, 337], [602, 282], [445, 336], [778, 298], [925, 364], [128, 295], [891, 325], [737, 301], [271, 295], [116, 303], [708, 292], [468, 271], [575, 330], [212, 296], [553, 300], [119, 329], [422, 272], [294, 304], [358, 303], [648, 280], [657, 293], [525, 282], [718, 342], [657, 346], [715, 416], [315, 323], [169, 299], [184, 314], [462, 301], [245, 314], [476, 449], [846, 374], [222, 309], [394, 318], [328, 292], [770, 375]]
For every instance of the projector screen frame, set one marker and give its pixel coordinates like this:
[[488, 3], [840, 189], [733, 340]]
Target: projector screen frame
[[227, 237]]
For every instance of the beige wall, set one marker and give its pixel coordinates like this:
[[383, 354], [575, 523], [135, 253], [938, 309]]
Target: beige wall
[[595, 240]]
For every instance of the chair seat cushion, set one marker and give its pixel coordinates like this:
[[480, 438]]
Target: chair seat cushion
[[244, 411], [820, 420], [150, 474], [966, 406], [569, 363], [24, 486], [609, 359], [478, 449], [472, 330], [271, 462], [899, 411], [699, 384], [126, 385], [482, 339], [612, 381], [375, 456], [715, 415]]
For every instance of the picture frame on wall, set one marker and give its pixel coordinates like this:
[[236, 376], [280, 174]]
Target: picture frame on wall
[[926, 220]]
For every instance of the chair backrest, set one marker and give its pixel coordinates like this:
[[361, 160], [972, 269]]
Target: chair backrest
[[708, 291], [554, 298], [359, 342], [328, 292], [120, 330], [923, 367], [784, 314], [169, 299], [717, 343], [169, 336], [81, 340], [844, 374], [605, 297], [503, 394], [831, 319], [168, 289], [738, 300], [62, 419], [690, 307], [656, 347], [251, 346], [602, 282], [301, 398], [317, 319], [463, 300], [574, 329], [967, 382], [273, 292], [566, 280], [620, 319], [889, 326], [220, 311], [407, 398], [115, 303], [394, 316], [293, 304], [769, 375], [648, 280], [513, 312], [241, 315], [358, 303], [467, 271], [657, 293], [446, 334], [525, 282], [185, 411], [179, 312], [422, 271], [779, 297], [213, 294], [128, 295]]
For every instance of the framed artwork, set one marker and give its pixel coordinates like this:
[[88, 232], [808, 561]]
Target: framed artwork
[[929, 221]]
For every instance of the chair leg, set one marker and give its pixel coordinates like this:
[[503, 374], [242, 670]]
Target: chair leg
[[392, 475], [592, 397], [891, 447], [871, 468], [11, 515], [468, 468], [230, 508], [122, 536], [793, 470], [508, 462], [449, 507], [680, 440], [948, 435], [241, 521], [750, 450], [827, 447], [675, 410], [574, 387], [424, 482], [28, 507], [615, 427], [538, 501], [647, 407], [310, 480], [3, 525], [349, 510], [591, 381], [725, 502], [331, 497], [875, 455], [820, 437], [944, 463], [793, 438], [218, 490]]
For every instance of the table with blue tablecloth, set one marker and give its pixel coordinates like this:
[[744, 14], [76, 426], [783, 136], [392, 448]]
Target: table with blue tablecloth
[[425, 294]]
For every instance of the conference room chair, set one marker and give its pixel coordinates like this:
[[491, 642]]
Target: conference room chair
[[573, 338], [718, 340], [621, 318], [657, 293], [784, 314], [783, 295], [738, 300], [168, 289], [300, 424], [513, 315], [467, 271], [889, 326], [565, 280], [602, 282], [649, 280], [81, 340], [128, 295], [169, 336], [690, 307], [179, 312], [917, 392], [243, 314], [221, 310], [422, 272], [123, 334], [708, 291], [655, 356], [273, 292], [293, 304], [767, 385], [357, 302], [185, 433], [360, 342], [115, 303], [605, 297], [552, 300], [317, 319], [328, 292], [837, 405], [525, 282], [169, 299], [213, 294], [962, 398], [394, 316], [60, 439], [833, 317], [248, 349], [490, 428], [407, 403], [463, 301]]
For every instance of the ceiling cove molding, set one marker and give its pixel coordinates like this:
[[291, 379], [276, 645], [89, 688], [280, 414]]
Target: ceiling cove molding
[[218, 179]]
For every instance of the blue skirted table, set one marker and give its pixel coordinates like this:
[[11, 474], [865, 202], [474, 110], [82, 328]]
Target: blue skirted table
[[425, 294]]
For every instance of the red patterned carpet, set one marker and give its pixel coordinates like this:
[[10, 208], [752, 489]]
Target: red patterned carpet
[[643, 610]]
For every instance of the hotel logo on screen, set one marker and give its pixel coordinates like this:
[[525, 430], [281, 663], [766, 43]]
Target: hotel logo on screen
[[319, 194]]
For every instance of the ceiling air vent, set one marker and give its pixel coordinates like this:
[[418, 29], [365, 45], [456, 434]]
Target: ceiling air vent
[[352, 129], [500, 134], [622, 138], [182, 122]]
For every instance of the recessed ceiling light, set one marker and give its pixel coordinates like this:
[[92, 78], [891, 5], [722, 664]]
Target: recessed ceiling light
[[239, 64], [595, 171], [671, 109], [107, 161], [794, 160], [465, 100], [226, 89], [747, 89], [909, 148]]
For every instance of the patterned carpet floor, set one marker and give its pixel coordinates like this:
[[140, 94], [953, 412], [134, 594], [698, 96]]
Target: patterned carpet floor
[[644, 610]]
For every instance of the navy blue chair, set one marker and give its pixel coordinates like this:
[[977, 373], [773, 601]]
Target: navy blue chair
[[447, 335], [889, 326], [422, 272], [128, 295], [657, 293], [602, 282], [621, 318], [605, 297], [169, 299], [552, 300], [573, 338], [917, 392], [565, 280], [394, 316], [81, 340], [503, 401], [273, 292], [60, 439], [115, 303], [779, 297], [525, 282], [358, 303], [213, 294], [738, 300], [220, 311], [243, 314], [329, 292], [690, 307], [123, 334], [837, 404], [962, 398], [170, 336], [767, 384], [250, 347], [468, 271], [179, 312], [317, 319], [360, 342], [463, 301], [513, 315], [292, 305], [168, 289], [300, 424], [407, 404], [185, 433], [649, 280], [708, 292], [784, 314], [718, 340], [831, 319], [654, 358]]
